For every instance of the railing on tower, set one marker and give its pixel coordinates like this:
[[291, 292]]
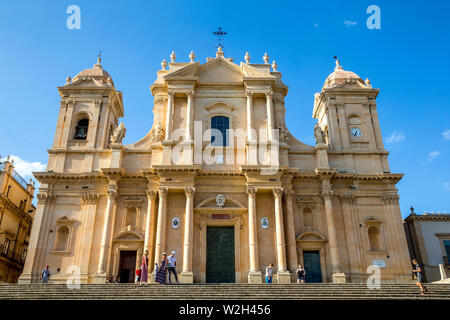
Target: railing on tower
[[19, 179]]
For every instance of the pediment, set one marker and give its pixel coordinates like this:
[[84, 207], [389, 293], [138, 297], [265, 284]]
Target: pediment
[[66, 220], [311, 236], [219, 70], [128, 235], [84, 81]]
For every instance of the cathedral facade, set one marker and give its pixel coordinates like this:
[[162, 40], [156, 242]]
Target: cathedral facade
[[218, 179]]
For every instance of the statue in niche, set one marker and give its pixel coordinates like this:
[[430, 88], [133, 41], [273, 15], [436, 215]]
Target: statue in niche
[[283, 133], [118, 134], [320, 135]]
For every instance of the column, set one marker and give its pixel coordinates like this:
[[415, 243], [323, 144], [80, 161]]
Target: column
[[327, 194], [189, 113], [351, 235], [87, 225], [252, 153], [161, 224], [283, 274], [36, 249], [104, 245], [254, 275], [187, 276], [269, 115], [250, 133], [151, 195], [290, 233], [170, 98]]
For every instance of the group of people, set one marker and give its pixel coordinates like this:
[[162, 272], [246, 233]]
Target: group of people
[[167, 266], [301, 273]]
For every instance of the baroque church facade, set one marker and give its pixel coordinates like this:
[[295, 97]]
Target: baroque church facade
[[218, 179]]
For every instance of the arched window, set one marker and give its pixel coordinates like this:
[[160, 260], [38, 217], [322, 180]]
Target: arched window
[[308, 219], [222, 124], [374, 239], [130, 219], [81, 129], [62, 239]]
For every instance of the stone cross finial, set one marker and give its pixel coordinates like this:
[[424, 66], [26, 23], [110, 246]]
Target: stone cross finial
[[274, 65], [247, 57], [173, 56], [266, 58], [192, 56], [163, 64]]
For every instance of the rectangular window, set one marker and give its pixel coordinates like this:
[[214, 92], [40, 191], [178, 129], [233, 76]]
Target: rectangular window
[[447, 248], [6, 246], [222, 124]]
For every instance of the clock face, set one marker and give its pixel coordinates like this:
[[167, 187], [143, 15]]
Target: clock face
[[356, 132]]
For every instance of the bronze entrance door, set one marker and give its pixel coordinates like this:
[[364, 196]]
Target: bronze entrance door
[[311, 260], [127, 266], [220, 255]]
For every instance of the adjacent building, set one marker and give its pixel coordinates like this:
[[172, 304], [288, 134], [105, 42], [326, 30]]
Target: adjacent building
[[428, 237], [16, 217], [219, 179]]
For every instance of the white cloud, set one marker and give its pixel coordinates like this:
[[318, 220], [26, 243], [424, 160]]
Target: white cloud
[[395, 138], [433, 154], [446, 134], [25, 168], [446, 186], [349, 23]]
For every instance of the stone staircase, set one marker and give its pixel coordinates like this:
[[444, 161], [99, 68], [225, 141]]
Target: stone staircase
[[222, 292]]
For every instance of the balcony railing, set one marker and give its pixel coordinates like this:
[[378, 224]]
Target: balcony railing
[[11, 256], [19, 179]]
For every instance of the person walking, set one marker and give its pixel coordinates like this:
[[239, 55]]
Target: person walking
[[269, 272], [172, 265], [161, 274], [417, 269], [144, 268], [45, 275], [301, 274]]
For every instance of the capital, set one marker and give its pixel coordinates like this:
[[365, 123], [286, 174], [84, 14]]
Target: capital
[[170, 93], [45, 198], [277, 192], [327, 193], [251, 192], [189, 93], [269, 94], [249, 93], [189, 192], [163, 192], [89, 197], [151, 194]]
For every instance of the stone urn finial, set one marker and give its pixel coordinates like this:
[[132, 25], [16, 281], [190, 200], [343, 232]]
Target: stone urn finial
[[266, 58], [192, 56], [173, 56], [68, 80], [367, 82], [274, 66], [163, 64], [219, 52], [247, 57]]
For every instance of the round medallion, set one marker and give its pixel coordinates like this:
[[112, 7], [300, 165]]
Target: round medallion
[[175, 223], [264, 223]]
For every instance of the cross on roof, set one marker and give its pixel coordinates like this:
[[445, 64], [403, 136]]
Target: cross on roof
[[219, 34]]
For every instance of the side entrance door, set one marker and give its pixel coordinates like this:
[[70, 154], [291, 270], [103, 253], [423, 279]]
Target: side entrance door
[[311, 260], [127, 266], [220, 255]]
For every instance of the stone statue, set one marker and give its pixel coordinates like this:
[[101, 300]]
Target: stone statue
[[158, 133], [320, 135], [283, 133], [118, 134]]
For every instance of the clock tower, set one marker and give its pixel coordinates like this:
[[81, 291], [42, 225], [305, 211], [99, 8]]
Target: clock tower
[[346, 111]]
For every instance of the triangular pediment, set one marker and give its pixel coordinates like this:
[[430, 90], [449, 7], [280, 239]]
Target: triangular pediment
[[219, 70]]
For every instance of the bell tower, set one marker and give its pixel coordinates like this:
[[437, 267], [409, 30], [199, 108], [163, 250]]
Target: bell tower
[[346, 111], [89, 111]]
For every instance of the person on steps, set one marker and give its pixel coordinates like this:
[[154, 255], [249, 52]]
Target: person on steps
[[417, 269]]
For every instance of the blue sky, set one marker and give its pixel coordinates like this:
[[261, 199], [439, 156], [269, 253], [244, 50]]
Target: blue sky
[[408, 59]]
